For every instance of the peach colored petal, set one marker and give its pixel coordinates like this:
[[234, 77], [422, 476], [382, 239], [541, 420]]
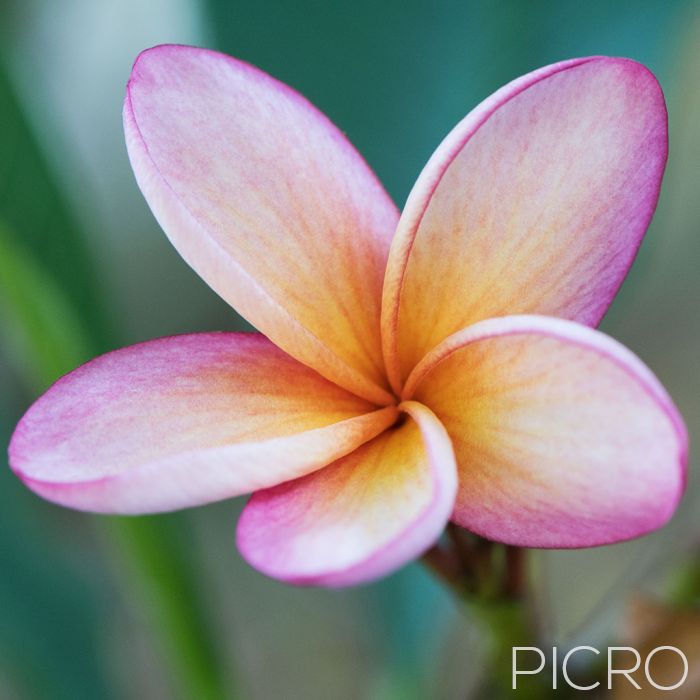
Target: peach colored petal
[[535, 203], [360, 517], [186, 420], [563, 437], [269, 203]]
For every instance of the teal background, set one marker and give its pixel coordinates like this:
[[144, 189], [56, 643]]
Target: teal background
[[84, 268]]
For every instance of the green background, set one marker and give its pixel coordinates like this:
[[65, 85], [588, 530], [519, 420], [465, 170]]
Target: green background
[[84, 268]]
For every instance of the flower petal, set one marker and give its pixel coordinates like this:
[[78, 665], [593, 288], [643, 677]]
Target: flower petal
[[268, 202], [563, 437], [361, 517], [185, 420], [535, 203]]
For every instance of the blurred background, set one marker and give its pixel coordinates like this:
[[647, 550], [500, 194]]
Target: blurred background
[[95, 607]]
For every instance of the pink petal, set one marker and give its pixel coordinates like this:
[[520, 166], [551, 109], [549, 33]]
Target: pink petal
[[563, 437], [268, 202], [186, 420], [535, 203], [361, 517]]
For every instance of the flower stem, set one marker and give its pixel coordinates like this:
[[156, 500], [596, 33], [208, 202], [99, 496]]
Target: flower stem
[[491, 581], [685, 592]]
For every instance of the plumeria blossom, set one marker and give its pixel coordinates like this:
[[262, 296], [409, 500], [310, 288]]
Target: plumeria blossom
[[410, 368]]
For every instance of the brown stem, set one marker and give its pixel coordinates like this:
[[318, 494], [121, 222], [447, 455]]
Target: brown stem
[[515, 583], [492, 580], [445, 564]]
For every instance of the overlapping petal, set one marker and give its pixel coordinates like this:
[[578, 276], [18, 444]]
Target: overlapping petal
[[535, 203], [269, 203], [360, 517], [563, 438], [185, 420]]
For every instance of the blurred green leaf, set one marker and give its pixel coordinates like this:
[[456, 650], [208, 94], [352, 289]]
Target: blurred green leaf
[[49, 615], [50, 341], [41, 329], [51, 323], [154, 553], [33, 207]]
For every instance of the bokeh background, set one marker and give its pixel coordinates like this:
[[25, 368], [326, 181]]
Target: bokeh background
[[94, 608]]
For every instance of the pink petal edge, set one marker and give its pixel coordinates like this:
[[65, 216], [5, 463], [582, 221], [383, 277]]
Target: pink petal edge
[[189, 412], [428, 181], [588, 339], [213, 260], [415, 537]]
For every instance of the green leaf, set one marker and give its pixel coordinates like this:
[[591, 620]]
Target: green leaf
[[43, 332], [154, 553], [50, 614], [51, 323], [48, 341], [33, 207]]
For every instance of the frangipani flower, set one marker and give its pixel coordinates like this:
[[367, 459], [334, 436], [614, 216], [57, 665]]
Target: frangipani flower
[[409, 369]]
